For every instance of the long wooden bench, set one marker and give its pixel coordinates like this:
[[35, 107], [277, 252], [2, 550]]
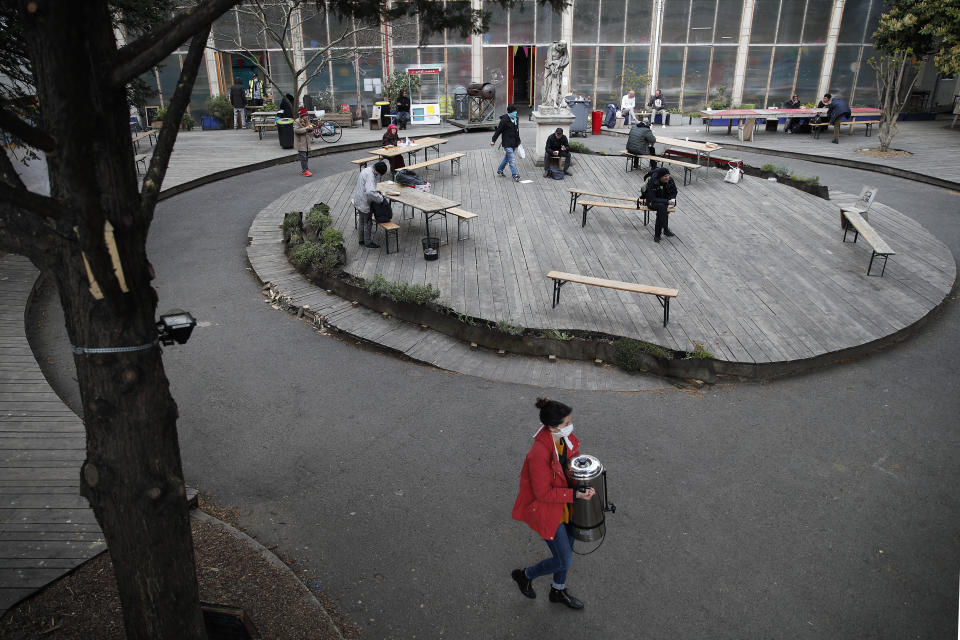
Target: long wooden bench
[[688, 167], [868, 123], [362, 162], [146, 135], [454, 158], [390, 229], [817, 127], [862, 228], [663, 294], [141, 159], [462, 216], [638, 204]]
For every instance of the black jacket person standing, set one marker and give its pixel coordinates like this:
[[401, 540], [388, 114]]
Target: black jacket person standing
[[557, 146], [661, 194]]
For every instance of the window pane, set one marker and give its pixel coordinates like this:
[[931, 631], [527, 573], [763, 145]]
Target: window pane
[[405, 32], [854, 18], [875, 12], [521, 24], [791, 21], [639, 21], [728, 21], [280, 72], [169, 71], [844, 69], [808, 76], [637, 60], [701, 21], [402, 58], [225, 34], [314, 24], [199, 95], [585, 14], [695, 82], [321, 82], [344, 82], [369, 34], [453, 35], [581, 80], [722, 70], [338, 28], [781, 82], [675, 14], [608, 75], [818, 20], [671, 67], [866, 95], [755, 82], [495, 72], [764, 21], [458, 68], [612, 19], [250, 34], [498, 24], [548, 25]]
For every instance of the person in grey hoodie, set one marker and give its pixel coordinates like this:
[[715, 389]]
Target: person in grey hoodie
[[364, 194]]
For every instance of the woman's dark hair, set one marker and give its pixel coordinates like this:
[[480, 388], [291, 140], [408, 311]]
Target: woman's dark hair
[[552, 413]]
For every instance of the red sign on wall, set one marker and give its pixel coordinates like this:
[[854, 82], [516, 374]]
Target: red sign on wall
[[418, 72]]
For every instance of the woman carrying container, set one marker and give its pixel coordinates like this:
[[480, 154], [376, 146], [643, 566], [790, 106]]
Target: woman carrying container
[[545, 501]]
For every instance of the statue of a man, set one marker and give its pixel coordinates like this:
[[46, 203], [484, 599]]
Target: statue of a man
[[557, 60]]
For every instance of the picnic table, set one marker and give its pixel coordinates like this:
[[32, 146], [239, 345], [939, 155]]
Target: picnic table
[[410, 149], [746, 118], [428, 204], [705, 148]]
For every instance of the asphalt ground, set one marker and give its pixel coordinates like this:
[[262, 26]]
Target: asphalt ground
[[816, 506]]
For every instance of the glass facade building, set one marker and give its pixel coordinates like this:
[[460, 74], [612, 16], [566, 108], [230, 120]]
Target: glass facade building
[[754, 52]]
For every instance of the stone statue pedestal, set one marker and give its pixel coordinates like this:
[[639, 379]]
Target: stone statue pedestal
[[547, 124]]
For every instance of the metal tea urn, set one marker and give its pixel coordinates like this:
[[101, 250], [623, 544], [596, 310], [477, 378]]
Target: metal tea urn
[[587, 520]]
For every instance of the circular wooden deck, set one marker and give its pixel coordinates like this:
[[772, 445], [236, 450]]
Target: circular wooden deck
[[761, 268]]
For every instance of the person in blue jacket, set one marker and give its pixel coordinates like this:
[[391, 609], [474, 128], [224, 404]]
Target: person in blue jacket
[[837, 110]]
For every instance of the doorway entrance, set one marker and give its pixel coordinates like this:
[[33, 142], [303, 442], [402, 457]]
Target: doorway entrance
[[521, 77]]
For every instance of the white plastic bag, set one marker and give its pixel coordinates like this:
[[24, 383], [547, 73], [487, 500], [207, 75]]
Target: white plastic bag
[[521, 152], [733, 175]]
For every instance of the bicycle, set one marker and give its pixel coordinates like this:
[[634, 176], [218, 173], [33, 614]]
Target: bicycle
[[326, 130]]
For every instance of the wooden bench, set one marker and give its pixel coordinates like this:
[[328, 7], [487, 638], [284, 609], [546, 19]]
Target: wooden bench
[[862, 228], [149, 135], [462, 216], [688, 167], [141, 159], [260, 127], [817, 127], [869, 124], [663, 294], [390, 228], [638, 204], [454, 158], [362, 162]]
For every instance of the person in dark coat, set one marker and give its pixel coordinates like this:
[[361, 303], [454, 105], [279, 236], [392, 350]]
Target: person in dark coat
[[837, 110], [286, 107], [239, 100], [557, 146], [658, 105], [793, 124], [509, 128], [661, 194], [392, 139], [403, 109], [640, 142]]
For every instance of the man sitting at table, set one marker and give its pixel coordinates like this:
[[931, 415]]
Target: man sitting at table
[[364, 194], [556, 147], [793, 124]]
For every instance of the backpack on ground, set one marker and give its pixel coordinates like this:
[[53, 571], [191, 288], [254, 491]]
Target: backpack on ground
[[556, 174]]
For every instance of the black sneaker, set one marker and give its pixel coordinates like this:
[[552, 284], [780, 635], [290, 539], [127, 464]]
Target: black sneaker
[[568, 172], [500, 174], [546, 174], [835, 141], [557, 595], [669, 233], [656, 238], [372, 245], [525, 583], [361, 242], [516, 178]]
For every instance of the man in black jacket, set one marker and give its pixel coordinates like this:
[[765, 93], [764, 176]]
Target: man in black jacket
[[509, 128], [793, 124], [239, 100], [658, 105], [403, 109], [557, 146], [837, 110], [640, 143], [661, 193]]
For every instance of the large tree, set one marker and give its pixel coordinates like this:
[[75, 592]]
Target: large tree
[[910, 33], [63, 92]]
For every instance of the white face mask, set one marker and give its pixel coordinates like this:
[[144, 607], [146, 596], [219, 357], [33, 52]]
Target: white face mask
[[565, 431]]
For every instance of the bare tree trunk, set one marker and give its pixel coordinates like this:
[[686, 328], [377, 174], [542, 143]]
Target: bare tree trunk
[[892, 72], [132, 476]]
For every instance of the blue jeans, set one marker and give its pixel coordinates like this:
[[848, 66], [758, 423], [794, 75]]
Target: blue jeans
[[508, 159], [562, 549]]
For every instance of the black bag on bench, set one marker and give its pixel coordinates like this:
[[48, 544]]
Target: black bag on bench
[[383, 211]]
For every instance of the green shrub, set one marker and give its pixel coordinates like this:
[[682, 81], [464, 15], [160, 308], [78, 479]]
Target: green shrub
[[220, 107], [627, 353], [306, 255], [332, 237], [187, 122], [505, 326], [160, 114], [556, 334], [291, 220], [579, 147], [699, 352], [418, 294], [318, 219], [814, 180], [331, 257]]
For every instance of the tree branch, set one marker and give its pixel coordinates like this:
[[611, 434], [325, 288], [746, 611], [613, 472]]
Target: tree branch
[[23, 233], [33, 136], [168, 134], [30, 202], [8, 173], [140, 55]]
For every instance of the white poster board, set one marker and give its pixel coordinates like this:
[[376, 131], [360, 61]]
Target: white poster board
[[425, 104]]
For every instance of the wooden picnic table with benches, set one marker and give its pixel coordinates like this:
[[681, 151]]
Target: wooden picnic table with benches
[[663, 294], [410, 149], [454, 159], [688, 167], [428, 204], [637, 204], [146, 135], [862, 228], [260, 120]]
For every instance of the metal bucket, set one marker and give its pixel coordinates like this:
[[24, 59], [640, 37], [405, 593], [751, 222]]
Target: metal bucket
[[588, 521]]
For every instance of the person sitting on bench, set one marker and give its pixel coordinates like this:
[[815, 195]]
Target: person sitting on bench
[[640, 142], [661, 193], [557, 146]]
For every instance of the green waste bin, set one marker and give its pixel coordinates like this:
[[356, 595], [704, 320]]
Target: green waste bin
[[285, 132]]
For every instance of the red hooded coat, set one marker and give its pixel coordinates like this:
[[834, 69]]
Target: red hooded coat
[[543, 485]]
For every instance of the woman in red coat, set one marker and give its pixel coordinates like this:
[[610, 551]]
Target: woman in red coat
[[545, 501]]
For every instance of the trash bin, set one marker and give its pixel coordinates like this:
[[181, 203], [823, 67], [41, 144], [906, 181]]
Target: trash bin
[[597, 121], [384, 112], [431, 248], [580, 107], [285, 132]]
